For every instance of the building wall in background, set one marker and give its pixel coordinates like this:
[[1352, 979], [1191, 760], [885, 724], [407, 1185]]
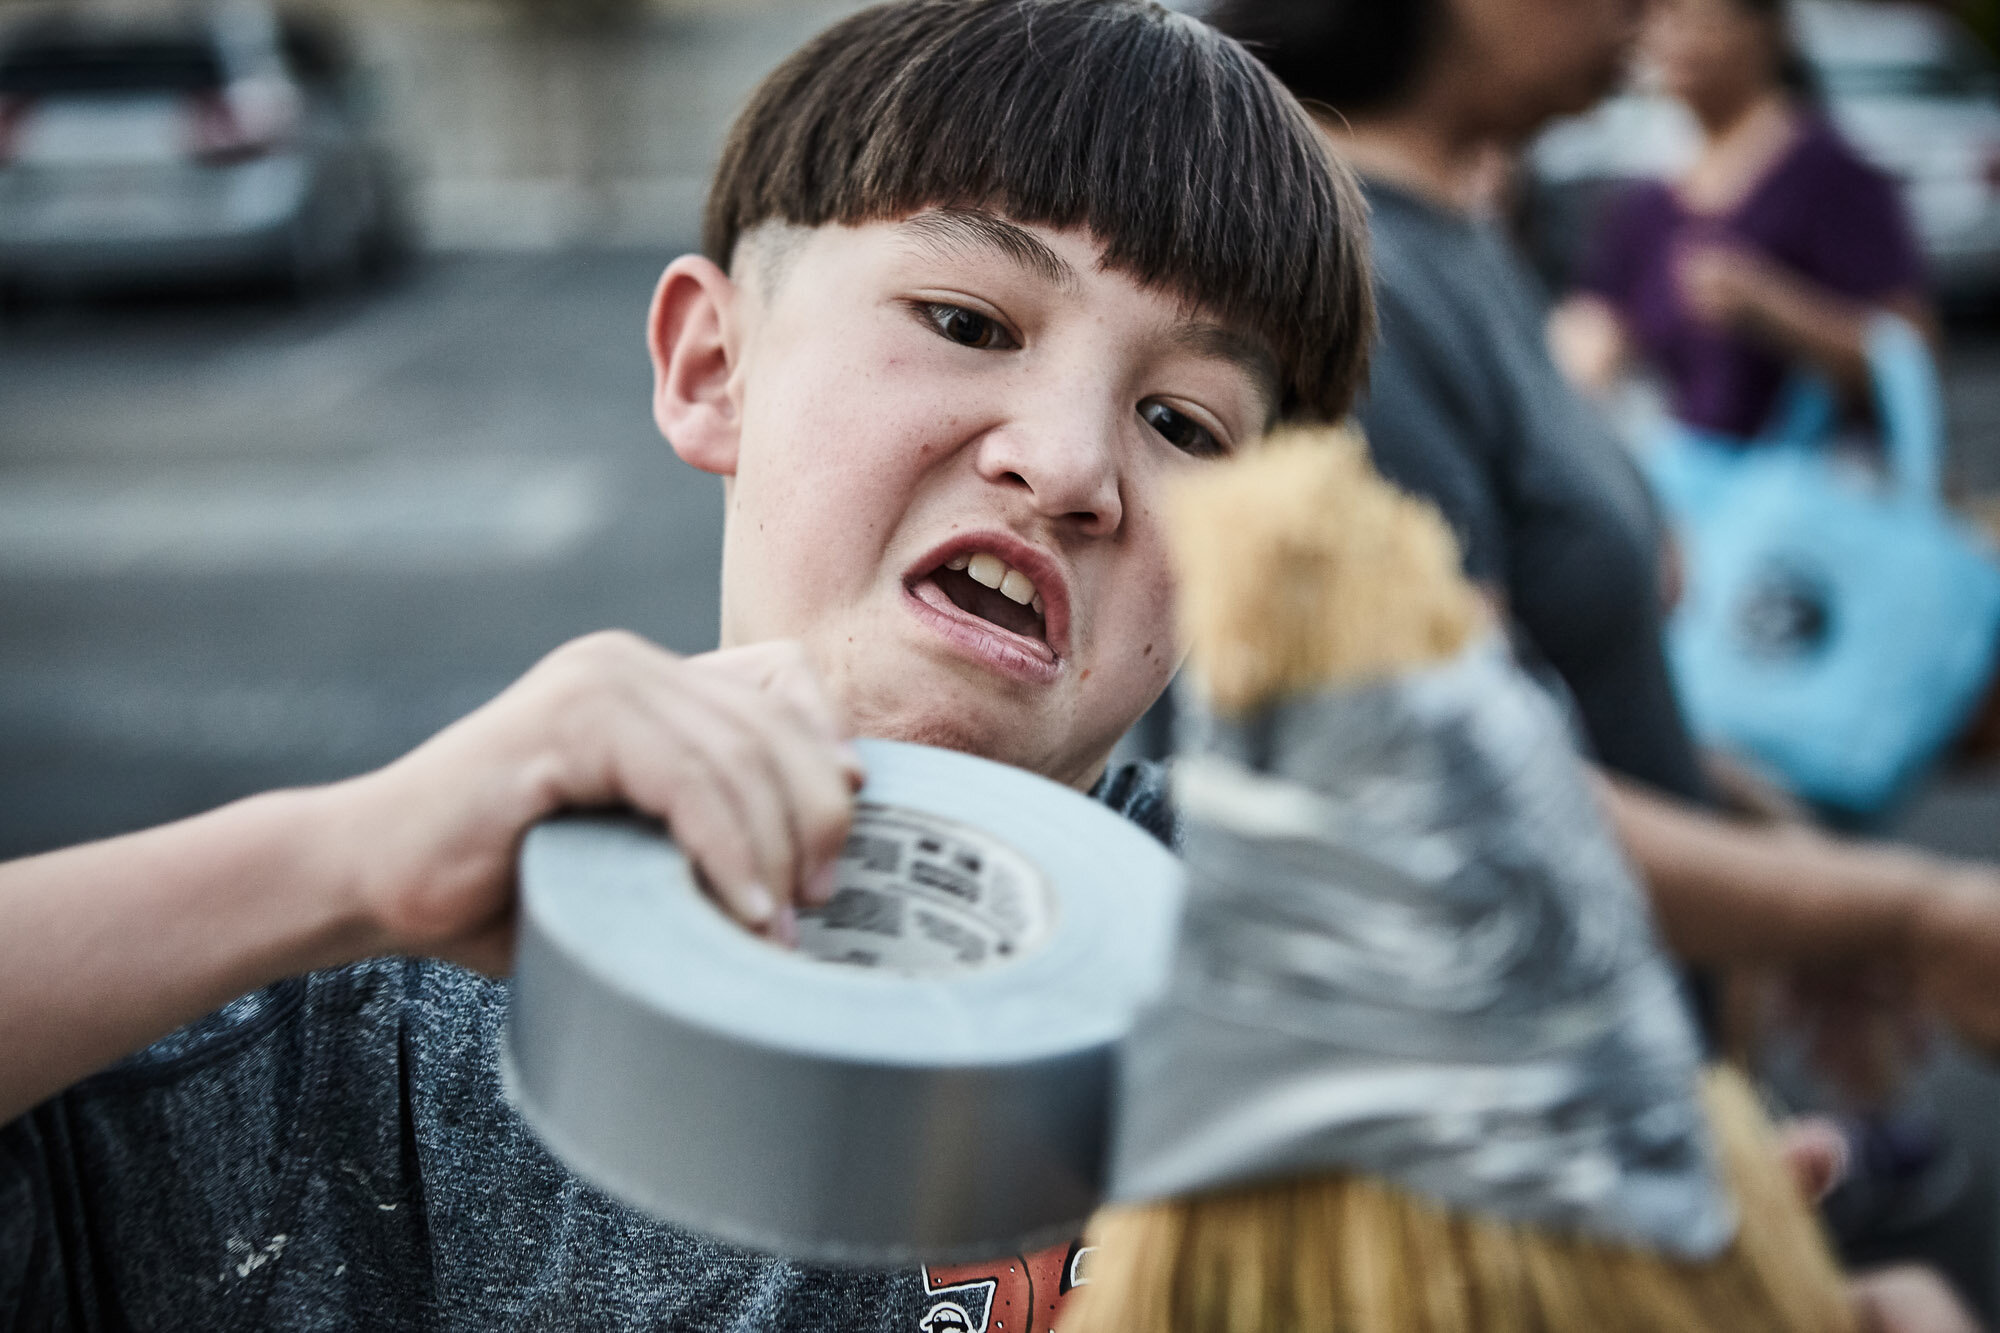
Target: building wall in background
[[535, 124], [523, 127], [520, 129]]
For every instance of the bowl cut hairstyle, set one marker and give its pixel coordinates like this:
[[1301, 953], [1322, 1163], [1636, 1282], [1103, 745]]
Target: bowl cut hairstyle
[[1192, 167]]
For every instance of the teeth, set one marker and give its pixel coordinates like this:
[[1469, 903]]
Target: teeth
[[990, 570]]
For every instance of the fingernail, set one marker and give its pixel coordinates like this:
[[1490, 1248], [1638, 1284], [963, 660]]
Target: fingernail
[[852, 756], [820, 885], [784, 927], [755, 904]]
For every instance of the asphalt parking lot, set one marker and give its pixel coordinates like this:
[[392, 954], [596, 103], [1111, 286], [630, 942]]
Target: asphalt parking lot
[[249, 543]]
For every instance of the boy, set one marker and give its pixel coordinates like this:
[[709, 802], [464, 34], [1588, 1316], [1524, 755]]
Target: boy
[[979, 276]]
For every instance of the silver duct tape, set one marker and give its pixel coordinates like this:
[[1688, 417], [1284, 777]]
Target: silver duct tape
[[1412, 950], [927, 1079]]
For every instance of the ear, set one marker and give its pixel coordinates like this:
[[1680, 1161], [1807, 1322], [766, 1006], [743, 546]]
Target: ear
[[692, 334]]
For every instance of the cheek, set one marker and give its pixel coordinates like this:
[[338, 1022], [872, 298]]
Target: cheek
[[1142, 636], [838, 450], [826, 445]]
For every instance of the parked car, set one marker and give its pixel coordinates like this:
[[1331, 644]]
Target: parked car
[[198, 142], [1906, 84]]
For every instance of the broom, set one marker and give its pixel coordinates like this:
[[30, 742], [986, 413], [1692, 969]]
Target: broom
[[1304, 574]]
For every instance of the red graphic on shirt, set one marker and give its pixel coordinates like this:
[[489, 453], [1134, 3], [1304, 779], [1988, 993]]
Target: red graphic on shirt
[[1027, 1289]]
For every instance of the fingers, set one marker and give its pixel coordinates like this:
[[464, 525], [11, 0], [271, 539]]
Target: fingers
[[1908, 1298], [799, 784], [1816, 1153], [781, 670], [674, 758], [741, 753]]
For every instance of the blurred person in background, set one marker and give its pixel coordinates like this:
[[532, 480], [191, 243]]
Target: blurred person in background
[[1772, 251], [1466, 407]]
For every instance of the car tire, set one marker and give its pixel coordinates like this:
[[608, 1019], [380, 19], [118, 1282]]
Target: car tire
[[323, 255]]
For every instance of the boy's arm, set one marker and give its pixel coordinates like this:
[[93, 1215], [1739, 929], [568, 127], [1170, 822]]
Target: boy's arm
[[108, 946]]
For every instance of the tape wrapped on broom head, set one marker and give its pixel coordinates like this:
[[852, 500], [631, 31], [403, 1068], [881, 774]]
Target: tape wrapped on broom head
[[1422, 1065]]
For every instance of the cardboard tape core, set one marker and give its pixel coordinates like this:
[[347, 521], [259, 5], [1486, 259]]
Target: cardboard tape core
[[920, 895]]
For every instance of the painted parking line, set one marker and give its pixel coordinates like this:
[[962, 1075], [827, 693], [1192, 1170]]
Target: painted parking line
[[343, 722], [423, 515]]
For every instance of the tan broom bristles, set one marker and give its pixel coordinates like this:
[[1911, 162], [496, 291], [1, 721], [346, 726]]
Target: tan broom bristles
[[1301, 567], [1345, 1254]]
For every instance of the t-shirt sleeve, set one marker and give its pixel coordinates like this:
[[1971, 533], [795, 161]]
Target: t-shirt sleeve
[[1422, 438], [1862, 243], [124, 1197], [34, 1280]]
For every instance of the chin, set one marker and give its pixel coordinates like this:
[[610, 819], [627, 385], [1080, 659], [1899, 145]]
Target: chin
[[988, 719], [961, 731], [951, 734], [968, 730]]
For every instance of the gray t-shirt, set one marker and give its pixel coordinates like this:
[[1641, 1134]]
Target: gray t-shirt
[[1465, 408], [333, 1152]]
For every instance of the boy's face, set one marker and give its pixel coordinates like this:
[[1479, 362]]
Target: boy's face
[[910, 412]]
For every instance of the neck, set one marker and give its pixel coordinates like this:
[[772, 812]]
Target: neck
[[1737, 154], [1723, 118]]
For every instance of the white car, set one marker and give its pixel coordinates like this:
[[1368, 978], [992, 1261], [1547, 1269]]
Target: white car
[[193, 142], [1904, 82]]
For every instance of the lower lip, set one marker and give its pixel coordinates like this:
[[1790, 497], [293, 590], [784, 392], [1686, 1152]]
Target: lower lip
[[985, 643]]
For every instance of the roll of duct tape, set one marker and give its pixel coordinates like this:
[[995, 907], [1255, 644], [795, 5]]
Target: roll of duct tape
[[926, 1079]]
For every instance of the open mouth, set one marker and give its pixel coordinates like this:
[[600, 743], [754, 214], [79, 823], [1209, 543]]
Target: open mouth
[[1000, 600], [994, 607]]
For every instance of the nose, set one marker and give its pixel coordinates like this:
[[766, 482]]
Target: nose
[[1068, 464]]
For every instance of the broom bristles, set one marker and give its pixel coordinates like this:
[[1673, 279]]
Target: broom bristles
[[1346, 1254], [1299, 566]]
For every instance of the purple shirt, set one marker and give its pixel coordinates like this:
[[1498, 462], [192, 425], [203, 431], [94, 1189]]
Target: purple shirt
[[1819, 210]]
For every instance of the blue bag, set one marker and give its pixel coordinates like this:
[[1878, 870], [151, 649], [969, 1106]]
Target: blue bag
[[1837, 626]]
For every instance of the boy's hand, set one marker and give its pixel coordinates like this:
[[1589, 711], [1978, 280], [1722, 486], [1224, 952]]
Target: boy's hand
[[740, 752], [1908, 1298]]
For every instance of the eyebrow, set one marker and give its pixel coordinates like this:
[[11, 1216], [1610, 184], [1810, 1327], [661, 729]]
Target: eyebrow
[[1245, 353], [960, 229]]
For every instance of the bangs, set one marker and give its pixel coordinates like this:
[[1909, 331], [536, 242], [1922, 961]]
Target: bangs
[[1186, 161]]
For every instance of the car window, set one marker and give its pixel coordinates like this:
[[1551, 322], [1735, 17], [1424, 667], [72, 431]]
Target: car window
[[1961, 71], [1941, 81], [315, 53], [129, 66]]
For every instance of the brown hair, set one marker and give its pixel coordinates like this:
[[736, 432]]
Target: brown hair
[[1173, 147]]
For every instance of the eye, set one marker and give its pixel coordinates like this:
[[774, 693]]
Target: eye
[[968, 328], [1181, 430]]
